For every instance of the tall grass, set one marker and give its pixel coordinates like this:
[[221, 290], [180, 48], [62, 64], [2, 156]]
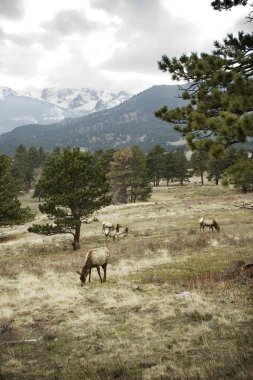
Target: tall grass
[[163, 312]]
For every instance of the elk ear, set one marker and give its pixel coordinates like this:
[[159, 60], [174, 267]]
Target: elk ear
[[78, 272]]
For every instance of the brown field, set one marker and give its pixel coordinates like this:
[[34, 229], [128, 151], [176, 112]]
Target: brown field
[[163, 312]]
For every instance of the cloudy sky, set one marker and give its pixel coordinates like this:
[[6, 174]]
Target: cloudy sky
[[104, 44]]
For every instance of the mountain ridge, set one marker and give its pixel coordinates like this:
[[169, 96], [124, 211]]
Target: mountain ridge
[[83, 100], [130, 123], [18, 109], [49, 105]]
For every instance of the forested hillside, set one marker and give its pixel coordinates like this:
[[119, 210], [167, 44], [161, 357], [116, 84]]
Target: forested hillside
[[131, 123]]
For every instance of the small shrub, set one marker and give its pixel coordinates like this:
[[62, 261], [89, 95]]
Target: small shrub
[[153, 246], [196, 316], [185, 241]]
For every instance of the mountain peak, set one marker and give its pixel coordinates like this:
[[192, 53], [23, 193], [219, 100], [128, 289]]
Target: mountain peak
[[130, 123], [52, 104], [83, 100], [7, 91]]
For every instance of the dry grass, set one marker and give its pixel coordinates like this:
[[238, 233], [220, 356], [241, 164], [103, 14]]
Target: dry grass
[[162, 314]]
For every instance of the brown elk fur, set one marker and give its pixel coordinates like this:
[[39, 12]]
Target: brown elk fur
[[210, 223], [95, 258]]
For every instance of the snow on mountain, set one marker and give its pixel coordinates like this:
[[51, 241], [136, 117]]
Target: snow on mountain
[[6, 91], [17, 109], [131, 123], [51, 105], [84, 100]]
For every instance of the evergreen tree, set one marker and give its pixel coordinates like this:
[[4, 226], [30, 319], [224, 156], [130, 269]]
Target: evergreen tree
[[156, 163], [24, 164], [74, 186], [240, 174], [182, 172], [104, 158], [219, 93], [169, 170], [42, 156], [128, 176], [217, 166], [227, 4], [199, 163], [120, 175], [139, 188], [11, 211], [20, 166], [32, 162], [38, 191]]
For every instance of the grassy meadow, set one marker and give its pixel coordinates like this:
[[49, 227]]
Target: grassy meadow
[[163, 312]]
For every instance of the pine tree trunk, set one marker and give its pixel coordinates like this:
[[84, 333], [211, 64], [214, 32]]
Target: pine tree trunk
[[76, 242]]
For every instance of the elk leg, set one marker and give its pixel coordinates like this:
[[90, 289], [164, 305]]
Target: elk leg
[[98, 269], [89, 274], [104, 267]]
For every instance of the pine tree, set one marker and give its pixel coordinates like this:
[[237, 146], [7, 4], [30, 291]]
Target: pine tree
[[182, 166], [120, 175], [217, 166], [199, 163], [227, 4], [128, 176], [240, 174], [104, 158], [41, 157], [20, 166], [74, 186], [156, 164], [11, 211], [169, 170], [219, 94], [139, 189]]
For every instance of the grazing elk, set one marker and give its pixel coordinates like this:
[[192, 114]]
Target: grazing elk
[[116, 232], [106, 225], [209, 222], [95, 258], [123, 231]]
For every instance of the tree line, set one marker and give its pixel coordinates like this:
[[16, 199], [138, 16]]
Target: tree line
[[73, 184]]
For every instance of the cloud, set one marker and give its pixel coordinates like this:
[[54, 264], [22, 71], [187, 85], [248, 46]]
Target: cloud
[[127, 6], [68, 22], [2, 35], [148, 32], [242, 24], [102, 44], [12, 9]]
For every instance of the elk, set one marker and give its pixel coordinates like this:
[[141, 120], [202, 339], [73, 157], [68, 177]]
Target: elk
[[122, 232], [106, 225], [209, 222], [116, 232], [95, 258]]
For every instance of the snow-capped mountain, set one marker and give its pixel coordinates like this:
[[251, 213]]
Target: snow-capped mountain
[[84, 100], [52, 105], [130, 123], [6, 91], [17, 109]]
